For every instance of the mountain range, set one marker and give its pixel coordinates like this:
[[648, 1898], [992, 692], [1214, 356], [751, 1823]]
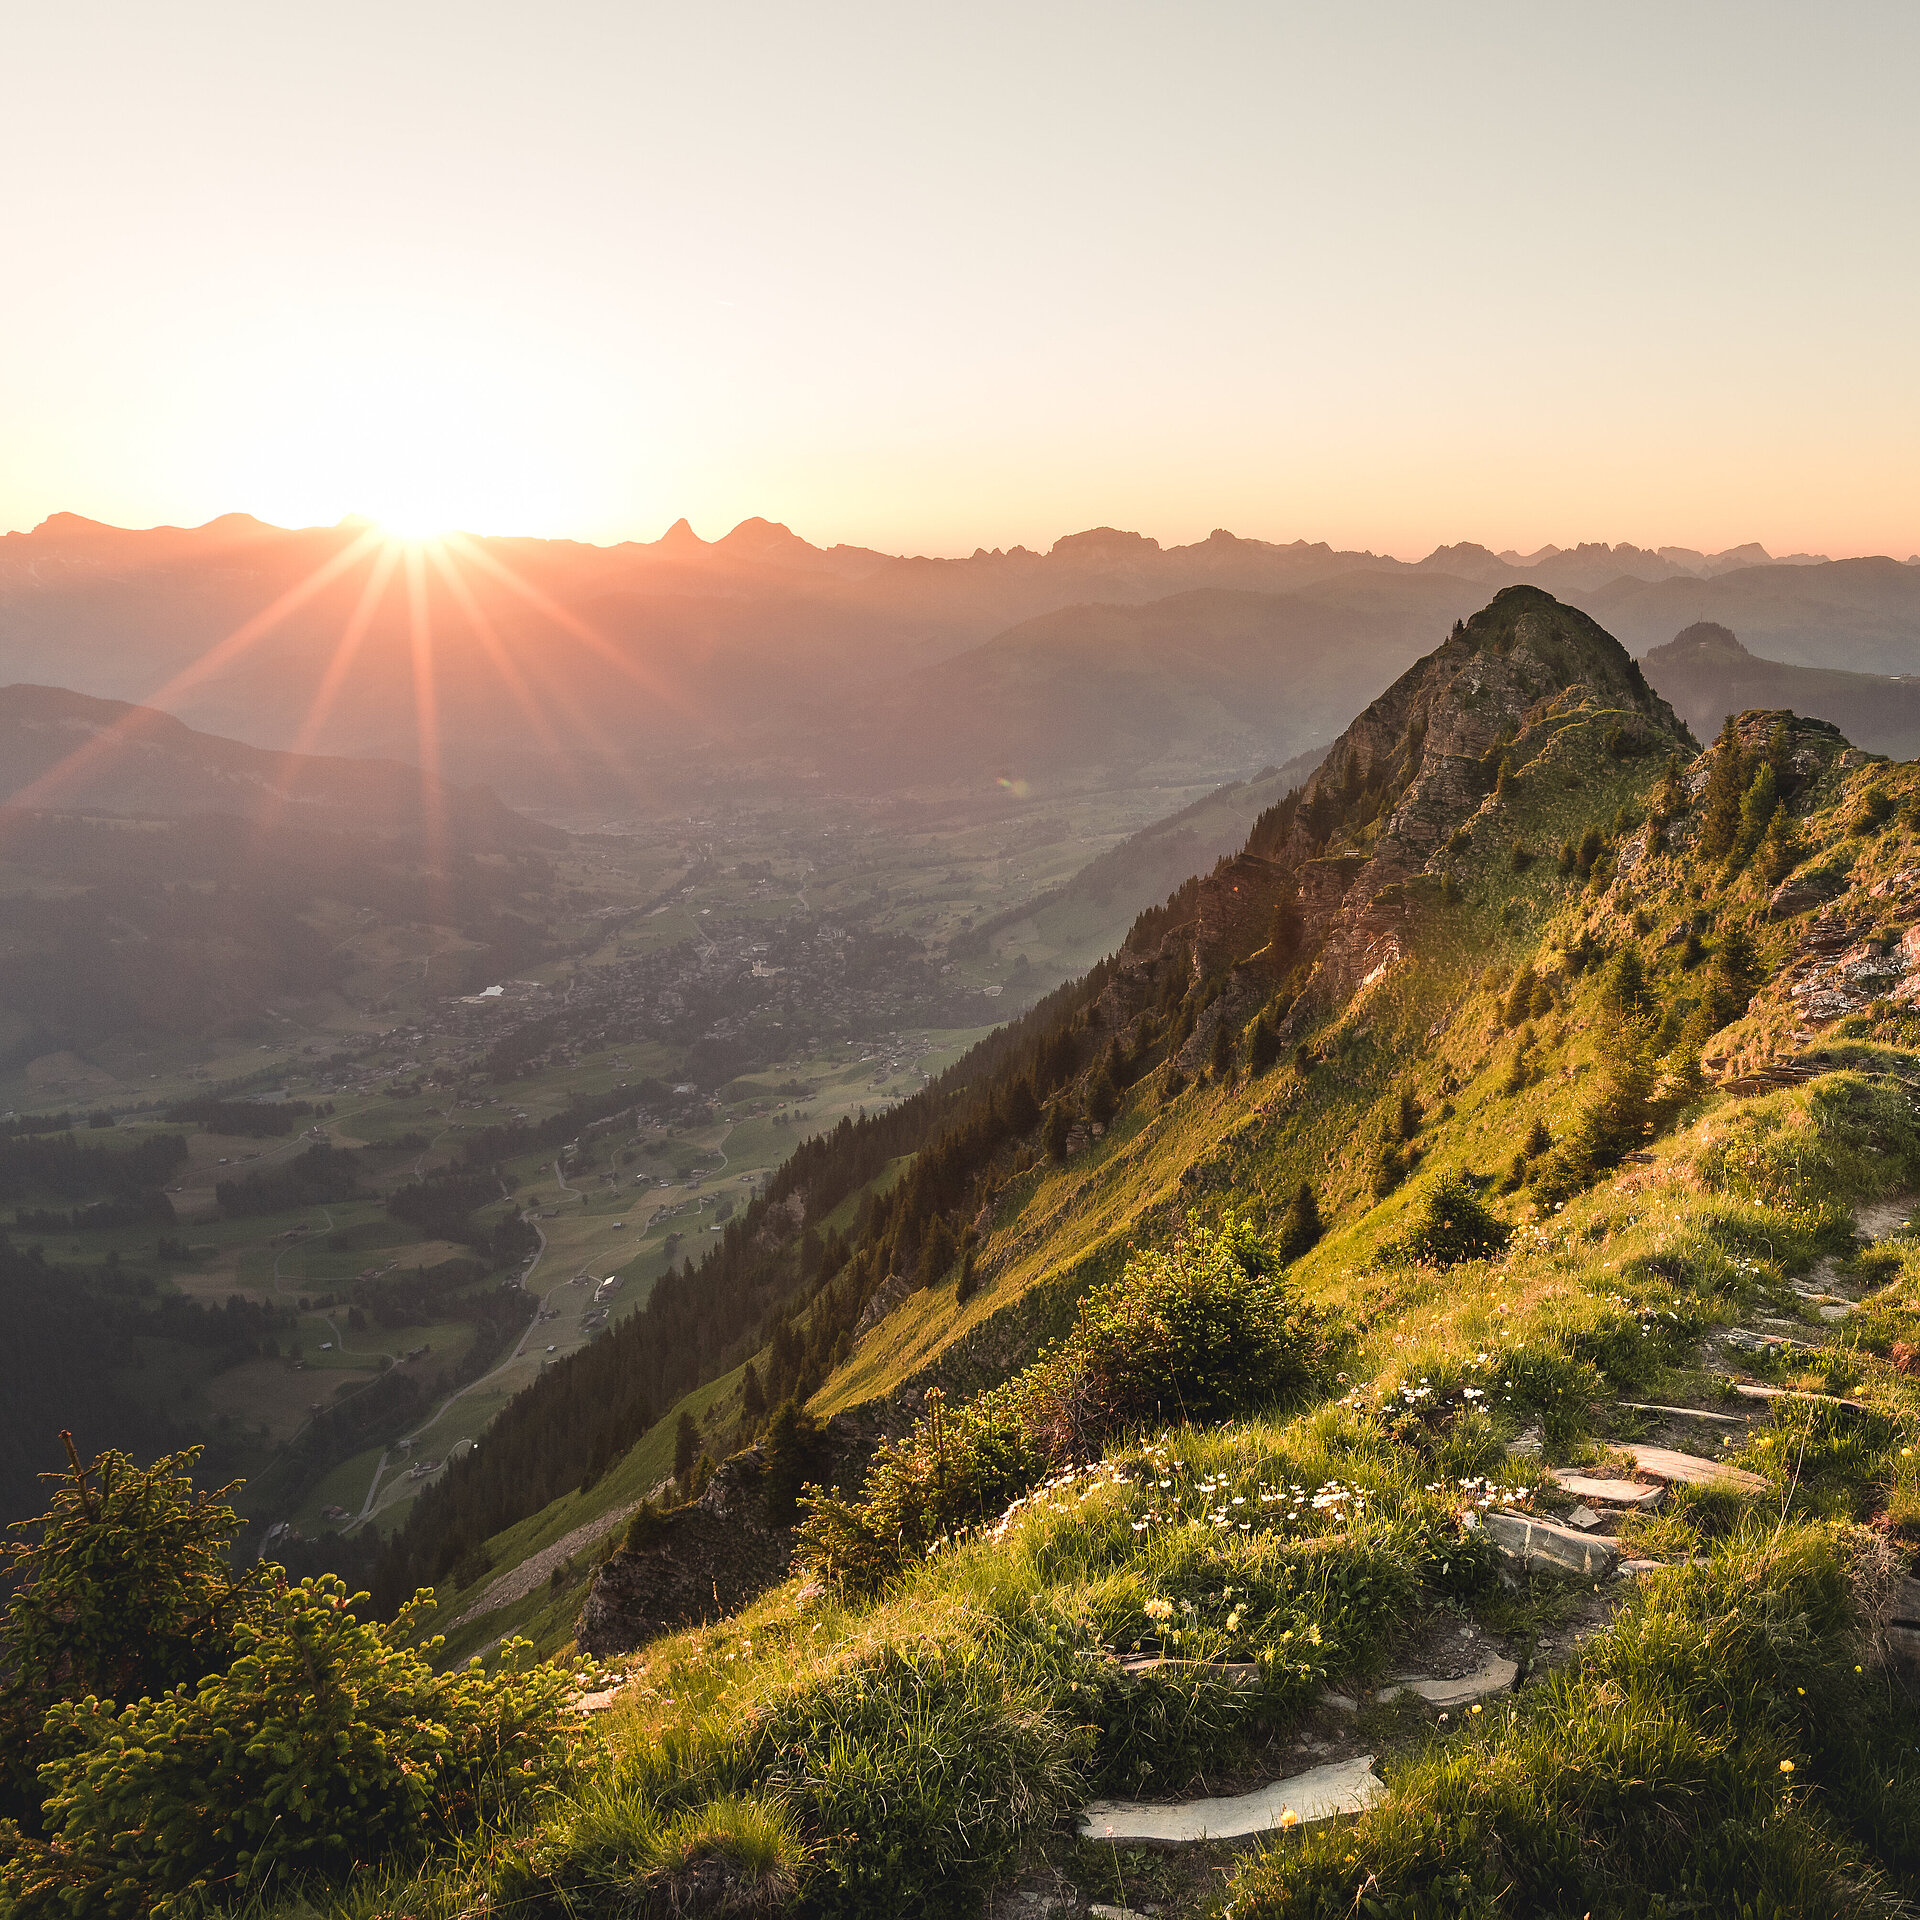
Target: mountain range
[[558, 672]]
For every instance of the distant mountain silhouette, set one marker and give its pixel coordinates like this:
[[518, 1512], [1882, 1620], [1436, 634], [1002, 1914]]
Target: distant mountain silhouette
[[555, 671], [1704, 673], [66, 752]]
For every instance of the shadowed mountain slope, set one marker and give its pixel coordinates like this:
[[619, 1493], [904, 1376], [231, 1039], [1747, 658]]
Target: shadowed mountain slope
[[1707, 674], [66, 752]]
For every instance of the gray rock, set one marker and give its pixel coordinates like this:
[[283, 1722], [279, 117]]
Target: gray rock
[[1688, 1469], [1609, 1493], [1301, 1800], [1495, 1677], [1544, 1543], [1684, 1413]]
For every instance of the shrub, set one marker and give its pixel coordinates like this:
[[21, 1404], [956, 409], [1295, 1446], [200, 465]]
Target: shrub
[[123, 1588], [1197, 1333], [1871, 811], [1453, 1224], [326, 1742], [920, 1773], [1301, 1225]]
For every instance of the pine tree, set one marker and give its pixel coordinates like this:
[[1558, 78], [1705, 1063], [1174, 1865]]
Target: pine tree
[[1263, 1045], [686, 1447], [937, 1252], [1283, 932], [1728, 778], [1780, 851], [1519, 996], [1221, 1060], [1301, 1225], [969, 1282], [1020, 1113], [1103, 1098], [1055, 1137], [753, 1402], [1758, 805]]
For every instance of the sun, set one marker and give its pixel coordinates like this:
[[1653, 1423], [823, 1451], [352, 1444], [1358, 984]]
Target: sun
[[413, 529]]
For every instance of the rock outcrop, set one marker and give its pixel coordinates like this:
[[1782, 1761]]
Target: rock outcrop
[[717, 1553]]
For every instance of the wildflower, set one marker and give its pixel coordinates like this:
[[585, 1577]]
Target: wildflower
[[1786, 1766]]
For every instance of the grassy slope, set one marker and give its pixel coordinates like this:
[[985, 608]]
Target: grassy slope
[[1647, 1771]]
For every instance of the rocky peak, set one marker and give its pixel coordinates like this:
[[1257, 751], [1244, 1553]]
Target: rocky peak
[[1362, 848]]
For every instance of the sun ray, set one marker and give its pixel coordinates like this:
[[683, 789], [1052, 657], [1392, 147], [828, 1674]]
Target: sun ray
[[321, 705], [524, 695], [564, 617], [426, 717], [42, 791]]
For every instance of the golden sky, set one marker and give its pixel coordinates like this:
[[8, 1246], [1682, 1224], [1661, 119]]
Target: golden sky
[[925, 278]]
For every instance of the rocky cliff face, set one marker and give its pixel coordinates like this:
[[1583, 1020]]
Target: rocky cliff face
[[717, 1553], [1368, 841]]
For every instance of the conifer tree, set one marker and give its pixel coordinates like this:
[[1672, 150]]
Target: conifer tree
[[1055, 1138], [1283, 932], [1519, 999], [1758, 805], [1301, 1225], [1727, 781], [1221, 1060], [753, 1401], [1263, 1046], [686, 1447]]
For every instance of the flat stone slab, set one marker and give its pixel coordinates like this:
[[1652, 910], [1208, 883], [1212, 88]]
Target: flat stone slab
[[1690, 1470], [1609, 1493], [1236, 1673], [1686, 1413], [1750, 1342], [1324, 1793], [1751, 1392], [1495, 1677], [1544, 1543]]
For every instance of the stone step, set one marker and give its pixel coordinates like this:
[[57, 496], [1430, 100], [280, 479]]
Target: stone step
[[1236, 1673], [1685, 1413], [1750, 1342], [1751, 1391], [1495, 1677], [1690, 1470], [1608, 1493], [1545, 1543], [1301, 1800]]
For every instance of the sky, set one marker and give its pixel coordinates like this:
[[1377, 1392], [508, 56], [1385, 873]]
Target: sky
[[930, 278]]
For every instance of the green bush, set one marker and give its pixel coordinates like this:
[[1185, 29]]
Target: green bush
[[122, 1588], [918, 1775], [326, 1742], [1196, 1334], [1452, 1225]]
